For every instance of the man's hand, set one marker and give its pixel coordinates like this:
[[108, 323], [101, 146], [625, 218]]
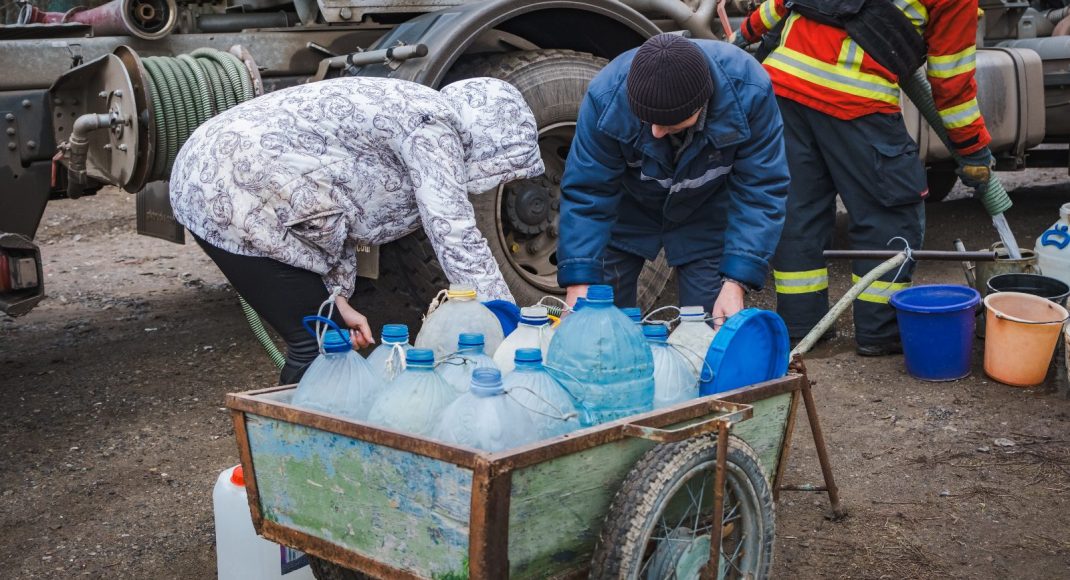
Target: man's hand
[[976, 168], [574, 292], [729, 302], [362, 333]]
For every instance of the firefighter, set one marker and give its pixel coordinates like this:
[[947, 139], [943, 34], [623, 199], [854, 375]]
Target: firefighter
[[844, 133], [678, 147]]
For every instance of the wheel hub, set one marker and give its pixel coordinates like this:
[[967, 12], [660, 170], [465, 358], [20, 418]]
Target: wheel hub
[[528, 205]]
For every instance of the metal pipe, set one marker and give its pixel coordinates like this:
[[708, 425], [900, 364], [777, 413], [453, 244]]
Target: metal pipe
[[213, 23], [822, 452], [78, 149], [944, 255], [710, 571], [698, 22], [386, 56]]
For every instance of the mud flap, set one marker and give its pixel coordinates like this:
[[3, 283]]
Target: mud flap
[[154, 215]]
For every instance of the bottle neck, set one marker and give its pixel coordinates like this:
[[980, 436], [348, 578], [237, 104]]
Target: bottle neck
[[420, 367], [395, 340], [529, 366], [470, 349]]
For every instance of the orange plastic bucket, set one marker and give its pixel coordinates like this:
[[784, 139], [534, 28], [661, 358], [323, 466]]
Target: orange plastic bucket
[[1021, 334]]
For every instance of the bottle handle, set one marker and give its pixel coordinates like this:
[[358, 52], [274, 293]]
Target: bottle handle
[[1047, 238]]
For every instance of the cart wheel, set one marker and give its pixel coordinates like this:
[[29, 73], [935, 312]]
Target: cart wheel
[[659, 524], [324, 570]]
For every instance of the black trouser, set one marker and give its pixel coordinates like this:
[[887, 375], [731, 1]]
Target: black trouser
[[699, 281], [873, 164], [282, 295]]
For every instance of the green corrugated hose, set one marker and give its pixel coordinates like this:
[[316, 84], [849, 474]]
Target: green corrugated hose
[[994, 197], [186, 91]]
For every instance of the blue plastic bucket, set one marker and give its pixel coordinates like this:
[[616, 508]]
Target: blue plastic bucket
[[936, 326]]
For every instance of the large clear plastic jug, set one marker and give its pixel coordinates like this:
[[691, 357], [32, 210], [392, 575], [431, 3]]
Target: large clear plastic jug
[[413, 403], [486, 417], [601, 357], [1053, 248], [339, 381], [533, 331], [388, 359], [461, 312], [694, 337], [675, 380], [457, 369], [550, 407]]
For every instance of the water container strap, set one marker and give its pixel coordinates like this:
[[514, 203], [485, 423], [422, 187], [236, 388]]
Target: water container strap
[[321, 329], [438, 300], [556, 310], [910, 257], [1046, 239], [395, 361], [453, 358], [647, 319], [559, 416], [567, 374], [705, 364]]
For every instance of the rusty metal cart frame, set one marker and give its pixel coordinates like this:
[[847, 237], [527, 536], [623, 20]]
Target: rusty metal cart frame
[[491, 481]]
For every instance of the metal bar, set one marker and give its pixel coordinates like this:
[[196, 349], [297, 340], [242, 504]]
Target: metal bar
[[785, 446], [248, 469], [822, 452], [762, 391], [803, 487], [712, 569], [460, 456], [690, 431], [328, 551], [488, 527], [945, 255]]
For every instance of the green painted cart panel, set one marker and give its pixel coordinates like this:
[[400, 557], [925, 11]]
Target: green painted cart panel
[[402, 509], [766, 430]]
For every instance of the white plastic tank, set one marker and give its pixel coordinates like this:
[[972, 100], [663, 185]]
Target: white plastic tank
[[1053, 248], [240, 553]]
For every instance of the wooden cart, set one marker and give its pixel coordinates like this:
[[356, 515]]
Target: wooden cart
[[631, 498]]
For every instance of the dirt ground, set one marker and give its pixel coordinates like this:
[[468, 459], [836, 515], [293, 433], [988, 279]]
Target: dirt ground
[[114, 430]]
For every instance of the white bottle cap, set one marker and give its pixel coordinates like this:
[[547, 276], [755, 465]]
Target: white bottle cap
[[534, 312], [692, 311], [1064, 212]]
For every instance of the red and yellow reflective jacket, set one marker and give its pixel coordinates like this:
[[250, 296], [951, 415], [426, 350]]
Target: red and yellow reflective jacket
[[821, 67]]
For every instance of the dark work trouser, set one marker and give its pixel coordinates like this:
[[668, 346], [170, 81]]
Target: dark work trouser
[[873, 164], [699, 282], [282, 295]]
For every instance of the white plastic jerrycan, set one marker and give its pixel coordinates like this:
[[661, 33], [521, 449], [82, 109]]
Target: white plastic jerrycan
[[240, 553], [1053, 248]]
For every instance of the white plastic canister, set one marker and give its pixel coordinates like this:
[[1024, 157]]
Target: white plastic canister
[[1053, 248], [240, 553]]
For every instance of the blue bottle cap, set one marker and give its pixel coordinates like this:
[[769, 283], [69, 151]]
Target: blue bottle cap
[[634, 313], [528, 355], [420, 356], [656, 332], [337, 341], [469, 340], [395, 333], [600, 293], [486, 382]]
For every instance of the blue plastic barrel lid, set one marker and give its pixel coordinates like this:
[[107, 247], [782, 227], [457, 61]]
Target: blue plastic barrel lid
[[337, 341], [508, 314], [750, 348]]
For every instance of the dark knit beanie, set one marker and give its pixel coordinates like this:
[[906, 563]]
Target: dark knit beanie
[[669, 80]]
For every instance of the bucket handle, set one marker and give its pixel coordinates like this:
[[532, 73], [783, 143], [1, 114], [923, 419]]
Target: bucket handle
[[1001, 316], [1048, 238]]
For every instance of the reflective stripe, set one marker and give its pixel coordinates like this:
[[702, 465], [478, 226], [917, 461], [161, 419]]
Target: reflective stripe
[[792, 17], [666, 183], [701, 180], [953, 64], [879, 292], [853, 83], [960, 115], [801, 282], [850, 54], [915, 11], [769, 14]]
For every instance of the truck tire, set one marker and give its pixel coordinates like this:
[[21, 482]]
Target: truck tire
[[659, 493], [519, 220]]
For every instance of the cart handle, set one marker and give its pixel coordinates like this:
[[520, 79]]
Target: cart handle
[[734, 413]]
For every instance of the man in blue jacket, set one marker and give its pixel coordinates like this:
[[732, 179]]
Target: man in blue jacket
[[678, 146]]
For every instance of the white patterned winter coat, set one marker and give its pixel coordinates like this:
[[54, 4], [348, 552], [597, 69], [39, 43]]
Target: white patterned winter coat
[[305, 174]]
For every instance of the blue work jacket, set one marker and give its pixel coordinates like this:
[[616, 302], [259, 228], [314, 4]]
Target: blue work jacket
[[725, 196]]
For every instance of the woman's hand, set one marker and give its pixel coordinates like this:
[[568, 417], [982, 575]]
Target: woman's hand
[[729, 302], [357, 322], [571, 294]]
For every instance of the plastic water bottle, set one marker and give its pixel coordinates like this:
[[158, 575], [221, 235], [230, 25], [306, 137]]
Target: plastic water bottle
[[694, 337], [388, 359], [601, 357], [414, 402], [1053, 248], [548, 405], [339, 381], [457, 369], [240, 553], [486, 417], [580, 303], [534, 331], [461, 312], [675, 380], [634, 313]]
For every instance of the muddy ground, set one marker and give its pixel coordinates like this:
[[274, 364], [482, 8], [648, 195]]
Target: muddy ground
[[114, 432]]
